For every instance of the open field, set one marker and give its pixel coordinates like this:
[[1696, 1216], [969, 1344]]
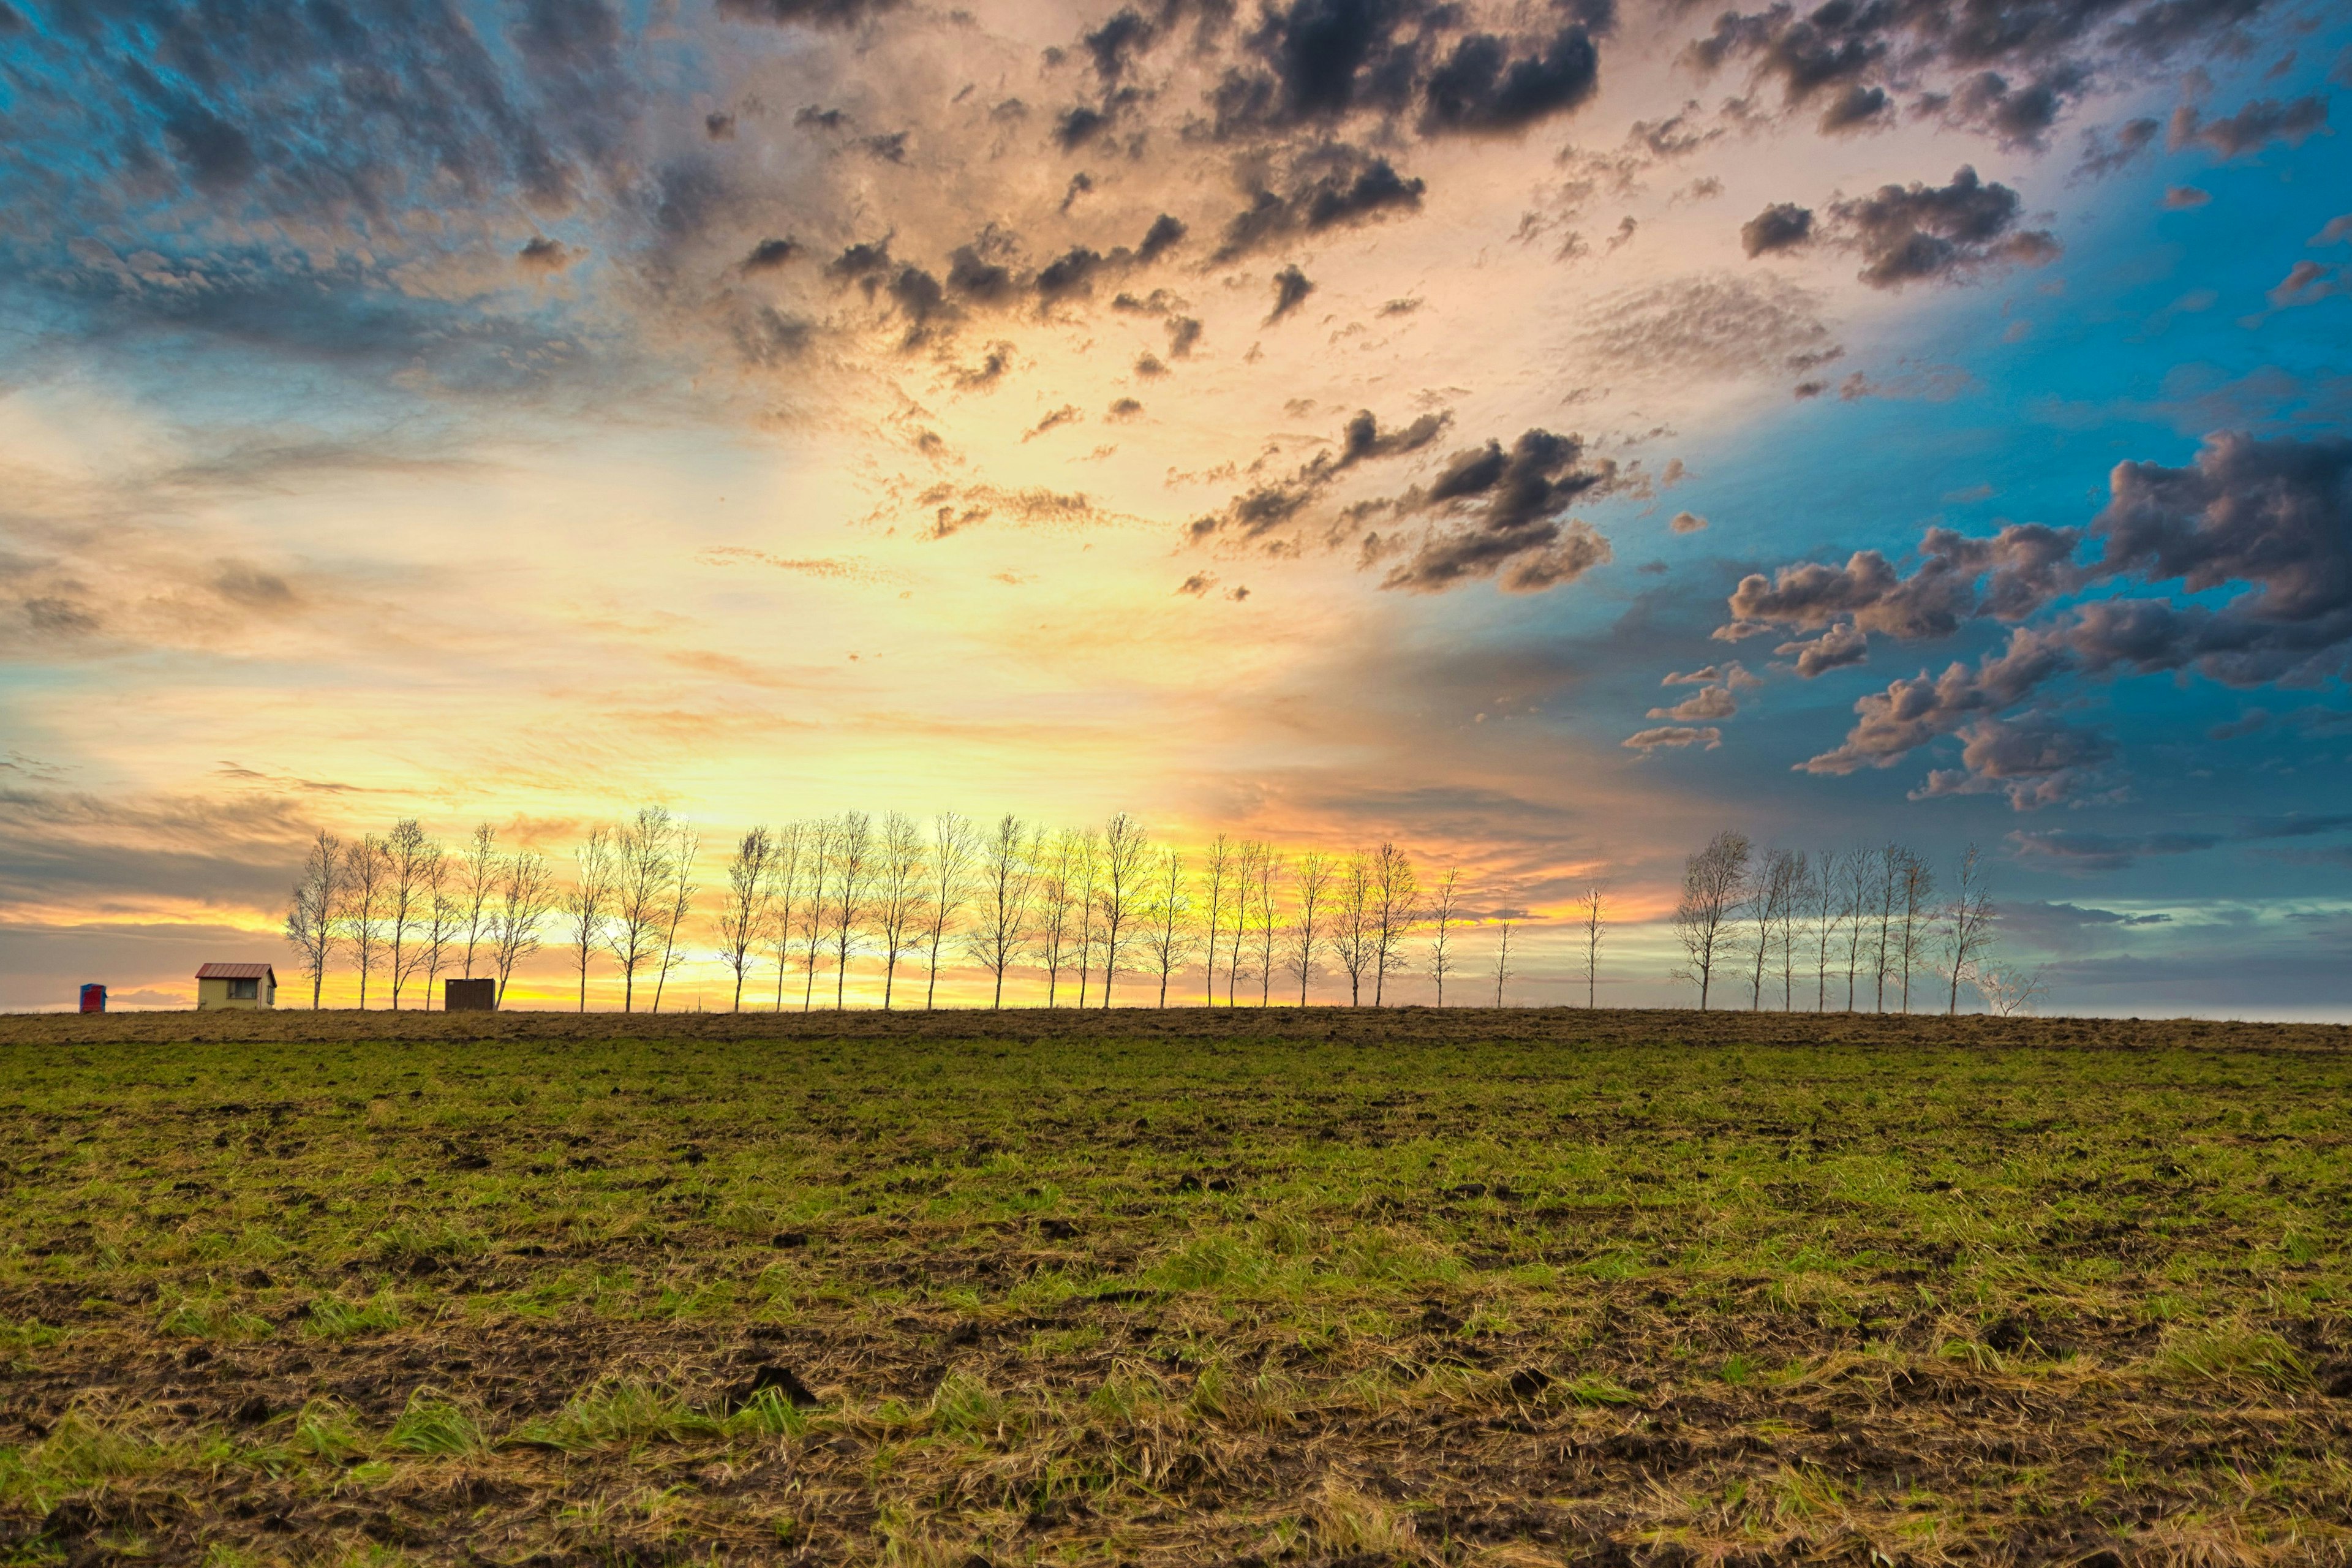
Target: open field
[[1318, 1286]]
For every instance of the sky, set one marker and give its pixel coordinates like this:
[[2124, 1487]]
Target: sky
[[1543, 435]]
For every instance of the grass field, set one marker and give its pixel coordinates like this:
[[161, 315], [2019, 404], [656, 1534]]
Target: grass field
[[1319, 1286]]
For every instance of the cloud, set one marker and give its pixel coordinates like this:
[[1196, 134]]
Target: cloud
[[1921, 233], [2102, 157], [1687, 522], [2059, 849], [1835, 648], [1958, 579], [1066, 415], [1512, 501], [1784, 226], [1673, 737], [2180, 198], [1291, 287], [1482, 90], [1707, 702], [1732, 674], [1264, 514], [544, 256], [804, 13], [2253, 128], [2269, 523], [2307, 283], [769, 255], [1710, 325], [1327, 187], [2013, 72], [2034, 760]]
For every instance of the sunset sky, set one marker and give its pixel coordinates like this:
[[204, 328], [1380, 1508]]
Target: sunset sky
[[1539, 434]]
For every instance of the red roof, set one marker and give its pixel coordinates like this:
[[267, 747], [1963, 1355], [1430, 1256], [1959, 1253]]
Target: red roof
[[237, 971]]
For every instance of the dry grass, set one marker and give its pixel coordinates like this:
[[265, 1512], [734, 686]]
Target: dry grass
[[1500, 1288]]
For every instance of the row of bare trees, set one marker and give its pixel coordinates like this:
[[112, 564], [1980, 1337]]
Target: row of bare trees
[[403, 906], [1081, 907], [1083, 910], [1758, 917]]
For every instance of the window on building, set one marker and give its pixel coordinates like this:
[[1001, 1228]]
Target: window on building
[[243, 990]]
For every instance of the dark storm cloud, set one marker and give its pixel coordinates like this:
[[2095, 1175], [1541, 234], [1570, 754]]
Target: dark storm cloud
[[2011, 69], [1511, 503], [1919, 233], [1857, 108], [1262, 514], [770, 254], [2253, 128], [2267, 522], [1784, 226], [1482, 88], [1331, 186], [1166, 234], [1291, 287], [804, 13]]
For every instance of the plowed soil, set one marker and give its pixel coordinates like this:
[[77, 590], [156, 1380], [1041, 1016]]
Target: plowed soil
[[1302, 1286]]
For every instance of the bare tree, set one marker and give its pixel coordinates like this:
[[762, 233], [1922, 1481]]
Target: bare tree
[[1125, 846], [1918, 894], [1824, 909], [816, 913], [1769, 910], [1593, 909], [1218, 878], [786, 888], [1853, 904], [1351, 923], [642, 858], [1503, 971], [1888, 898], [442, 916], [313, 923], [1310, 888], [366, 871], [744, 913], [900, 884], [1395, 909], [1170, 939], [1057, 901], [952, 848], [1968, 925], [588, 901], [1248, 856], [2009, 992], [1008, 876], [525, 896], [853, 887], [480, 876], [685, 849], [406, 852], [1444, 905], [1265, 916], [1088, 876], [1714, 882]]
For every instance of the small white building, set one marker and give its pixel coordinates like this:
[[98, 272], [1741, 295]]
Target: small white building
[[220, 985]]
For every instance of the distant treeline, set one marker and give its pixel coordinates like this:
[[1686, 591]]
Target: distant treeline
[[1086, 909], [1092, 913], [1871, 917]]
